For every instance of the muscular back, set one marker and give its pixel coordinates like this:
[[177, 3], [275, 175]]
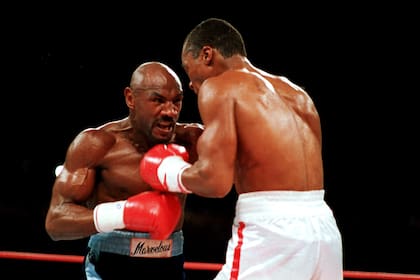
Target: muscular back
[[284, 151], [272, 126]]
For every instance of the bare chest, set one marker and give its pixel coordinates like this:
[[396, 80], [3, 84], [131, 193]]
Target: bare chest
[[120, 176]]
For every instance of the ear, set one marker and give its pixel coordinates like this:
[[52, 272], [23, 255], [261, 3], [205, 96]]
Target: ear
[[207, 54], [129, 97]]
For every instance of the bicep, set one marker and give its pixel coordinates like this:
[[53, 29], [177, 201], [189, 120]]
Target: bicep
[[75, 185], [76, 181], [217, 145]]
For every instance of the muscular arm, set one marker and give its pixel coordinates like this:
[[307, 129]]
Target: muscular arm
[[212, 175], [69, 216], [187, 135]]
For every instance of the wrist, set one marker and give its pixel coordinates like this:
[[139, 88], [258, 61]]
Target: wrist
[[170, 174], [109, 216]]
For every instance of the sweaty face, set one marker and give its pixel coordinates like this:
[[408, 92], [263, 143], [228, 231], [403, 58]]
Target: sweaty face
[[155, 100], [157, 111]]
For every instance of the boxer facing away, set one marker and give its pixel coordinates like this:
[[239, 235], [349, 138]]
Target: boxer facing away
[[263, 136], [133, 230]]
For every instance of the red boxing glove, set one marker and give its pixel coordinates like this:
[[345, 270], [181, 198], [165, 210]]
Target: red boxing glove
[[154, 212], [162, 167]]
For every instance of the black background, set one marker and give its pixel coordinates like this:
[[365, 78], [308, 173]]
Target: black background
[[65, 67]]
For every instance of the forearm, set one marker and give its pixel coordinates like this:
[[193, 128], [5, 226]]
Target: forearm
[[70, 224], [165, 168], [206, 181]]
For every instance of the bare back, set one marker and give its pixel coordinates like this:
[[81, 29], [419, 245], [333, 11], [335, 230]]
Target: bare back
[[271, 126], [284, 152]]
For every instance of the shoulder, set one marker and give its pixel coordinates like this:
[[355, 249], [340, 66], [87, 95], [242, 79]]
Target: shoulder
[[187, 134], [104, 134], [188, 131], [95, 135], [293, 86], [189, 126], [228, 82], [92, 141]]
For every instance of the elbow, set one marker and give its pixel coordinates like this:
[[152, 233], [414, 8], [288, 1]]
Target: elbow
[[219, 187], [221, 192], [51, 229], [221, 184], [53, 234], [53, 237], [208, 181]]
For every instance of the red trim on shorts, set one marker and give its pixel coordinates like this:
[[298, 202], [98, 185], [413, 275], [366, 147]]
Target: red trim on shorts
[[237, 253]]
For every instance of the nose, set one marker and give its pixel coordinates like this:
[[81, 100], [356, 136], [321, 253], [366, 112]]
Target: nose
[[170, 109]]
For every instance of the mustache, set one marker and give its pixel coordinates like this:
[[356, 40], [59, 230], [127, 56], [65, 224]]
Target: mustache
[[166, 119]]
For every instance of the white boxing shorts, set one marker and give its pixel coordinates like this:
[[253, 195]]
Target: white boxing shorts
[[289, 235]]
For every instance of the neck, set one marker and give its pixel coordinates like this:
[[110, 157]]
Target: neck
[[238, 62]]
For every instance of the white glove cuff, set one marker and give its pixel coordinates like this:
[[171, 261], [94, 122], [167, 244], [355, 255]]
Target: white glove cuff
[[170, 173], [109, 216]]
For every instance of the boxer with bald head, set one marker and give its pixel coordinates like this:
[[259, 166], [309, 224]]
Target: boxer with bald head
[[133, 230], [263, 136]]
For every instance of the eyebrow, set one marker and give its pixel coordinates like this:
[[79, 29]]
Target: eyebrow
[[154, 93]]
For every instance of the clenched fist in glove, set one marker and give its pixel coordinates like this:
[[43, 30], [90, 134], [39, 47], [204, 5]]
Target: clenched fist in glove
[[153, 212], [162, 167]]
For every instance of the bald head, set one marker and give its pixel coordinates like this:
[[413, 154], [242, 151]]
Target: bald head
[[154, 75]]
